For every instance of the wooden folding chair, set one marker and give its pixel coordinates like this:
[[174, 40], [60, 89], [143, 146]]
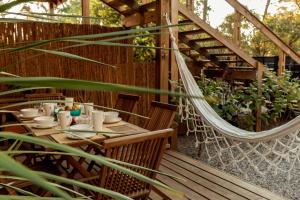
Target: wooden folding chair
[[161, 116], [145, 150], [126, 103]]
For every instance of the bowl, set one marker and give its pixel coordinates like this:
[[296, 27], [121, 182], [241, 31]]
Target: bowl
[[28, 112], [110, 116], [75, 113], [44, 120]]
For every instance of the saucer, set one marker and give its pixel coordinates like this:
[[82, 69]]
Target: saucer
[[80, 135], [42, 126], [29, 117], [116, 120]]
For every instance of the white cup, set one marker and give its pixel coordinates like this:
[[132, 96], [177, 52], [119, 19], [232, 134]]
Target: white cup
[[49, 108], [69, 101], [97, 120], [64, 118], [88, 108]]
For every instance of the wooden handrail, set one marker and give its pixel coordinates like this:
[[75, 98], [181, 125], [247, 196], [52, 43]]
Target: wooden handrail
[[264, 29]]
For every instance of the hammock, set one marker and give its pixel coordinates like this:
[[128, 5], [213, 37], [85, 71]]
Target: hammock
[[271, 151]]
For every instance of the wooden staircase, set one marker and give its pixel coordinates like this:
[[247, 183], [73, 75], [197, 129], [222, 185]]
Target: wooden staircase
[[205, 46]]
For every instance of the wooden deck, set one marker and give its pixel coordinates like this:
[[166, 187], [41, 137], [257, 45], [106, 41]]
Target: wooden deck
[[205, 182]]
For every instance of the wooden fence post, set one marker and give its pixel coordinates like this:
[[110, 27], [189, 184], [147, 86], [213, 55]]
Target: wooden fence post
[[85, 11], [260, 71], [174, 20], [281, 63], [162, 61]]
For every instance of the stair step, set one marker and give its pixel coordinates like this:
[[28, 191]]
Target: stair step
[[223, 54], [204, 39], [192, 32]]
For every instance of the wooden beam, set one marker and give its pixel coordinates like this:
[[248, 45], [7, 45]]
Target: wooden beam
[[204, 39], [85, 11], [215, 33], [190, 5], [237, 28], [215, 47], [260, 71], [222, 54], [192, 32], [51, 7], [118, 4], [138, 19], [281, 63], [231, 74], [162, 61], [140, 9], [264, 29], [173, 62]]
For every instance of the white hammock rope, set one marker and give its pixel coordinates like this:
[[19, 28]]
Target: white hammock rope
[[265, 152]]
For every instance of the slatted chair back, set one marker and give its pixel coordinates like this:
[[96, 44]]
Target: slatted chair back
[[161, 116], [145, 149], [126, 103]]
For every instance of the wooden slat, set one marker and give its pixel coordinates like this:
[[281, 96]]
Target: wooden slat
[[174, 67], [189, 194], [215, 47], [225, 180], [162, 56], [223, 54], [140, 9], [204, 39], [192, 32], [213, 178], [264, 29], [219, 192], [190, 183], [215, 33]]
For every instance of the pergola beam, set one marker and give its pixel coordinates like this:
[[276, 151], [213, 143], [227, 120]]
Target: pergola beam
[[139, 16]]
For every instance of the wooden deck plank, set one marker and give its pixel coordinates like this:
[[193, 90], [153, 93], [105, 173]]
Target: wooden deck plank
[[243, 193], [202, 181], [193, 186], [189, 194], [224, 179]]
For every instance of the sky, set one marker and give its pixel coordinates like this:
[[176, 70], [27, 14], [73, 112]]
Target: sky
[[220, 9]]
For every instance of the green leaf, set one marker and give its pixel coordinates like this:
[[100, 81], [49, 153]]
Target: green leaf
[[98, 158], [14, 167], [64, 83], [92, 36], [73, 56]]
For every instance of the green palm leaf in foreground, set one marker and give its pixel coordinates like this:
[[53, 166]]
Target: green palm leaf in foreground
[[99, 159], [9, 164], [65, 83]]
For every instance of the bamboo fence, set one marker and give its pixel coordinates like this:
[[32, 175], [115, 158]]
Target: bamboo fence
[[27, 63]]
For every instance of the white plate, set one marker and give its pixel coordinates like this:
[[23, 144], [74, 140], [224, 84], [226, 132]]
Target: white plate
[[41, 126], [29, 117], [113, 121], [80, 135]]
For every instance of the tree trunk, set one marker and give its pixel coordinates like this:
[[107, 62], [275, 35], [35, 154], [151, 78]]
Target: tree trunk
[[266, 9], [205, 10]]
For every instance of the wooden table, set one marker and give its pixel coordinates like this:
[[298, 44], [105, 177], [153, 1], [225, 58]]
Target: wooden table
[[118, 129]]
